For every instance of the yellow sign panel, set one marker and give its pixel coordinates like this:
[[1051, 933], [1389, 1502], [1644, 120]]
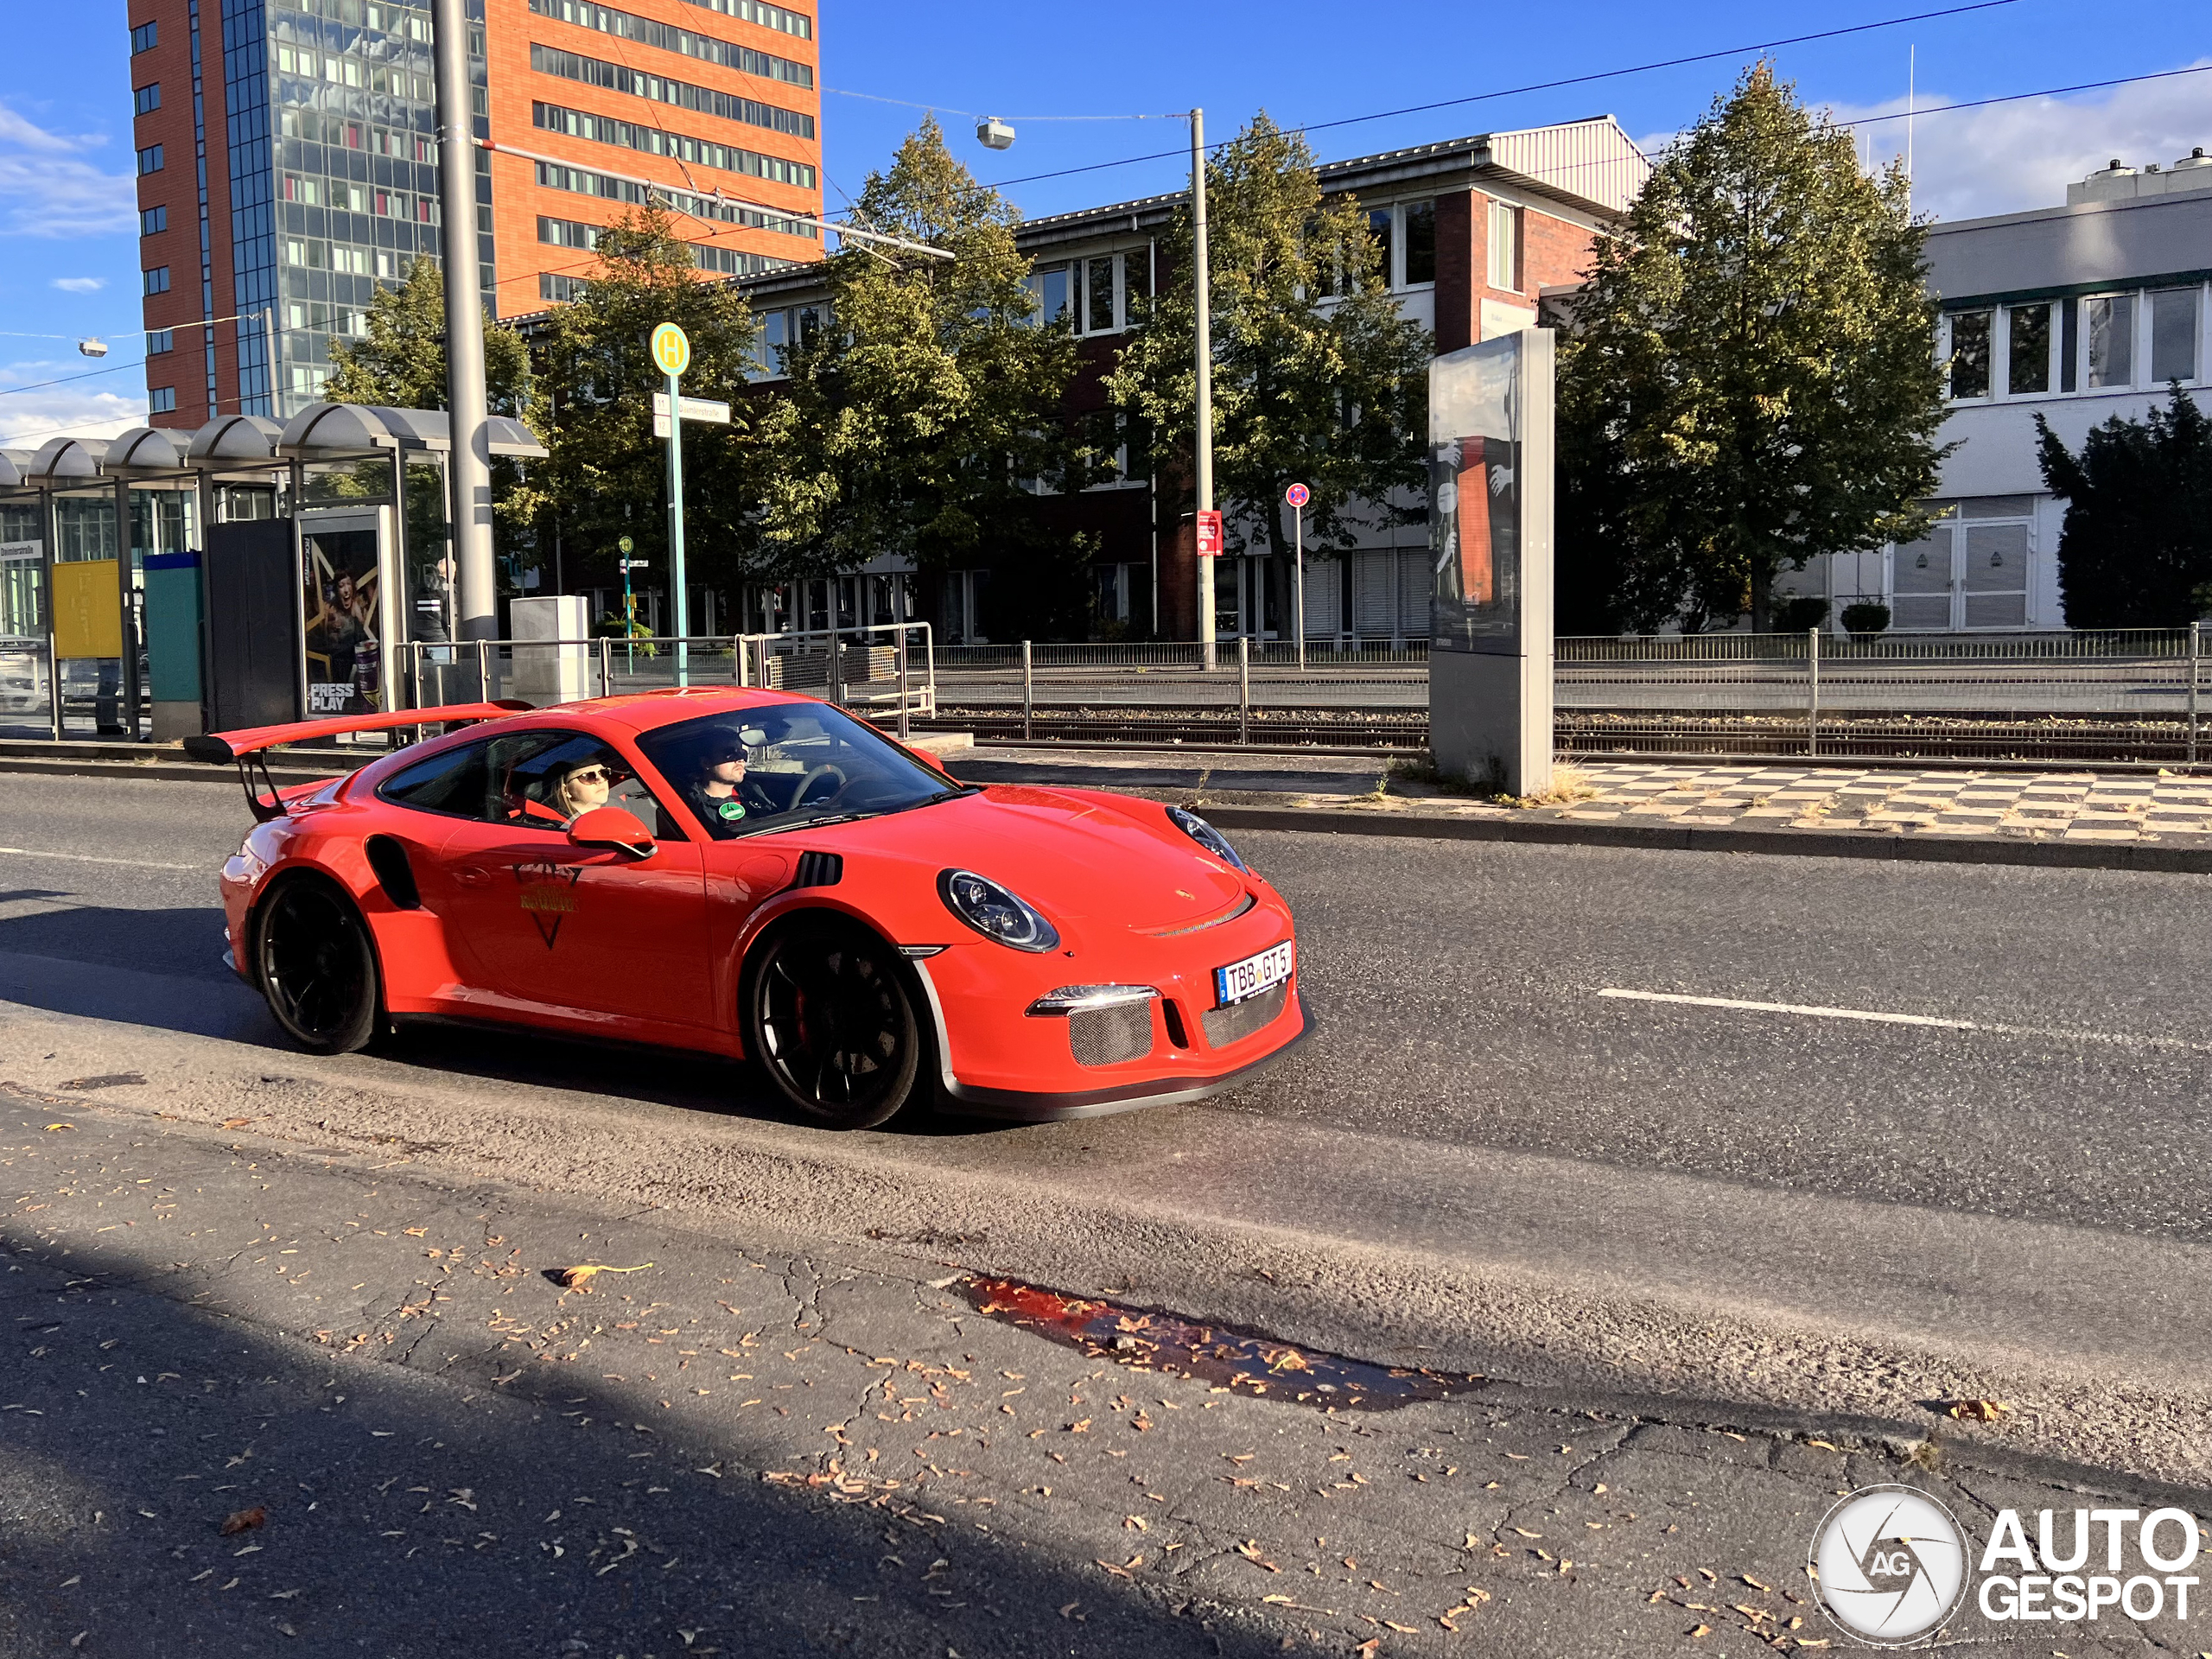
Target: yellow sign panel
[[671, 348], [87, 609]]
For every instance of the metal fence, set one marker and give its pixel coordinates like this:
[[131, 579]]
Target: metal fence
[[886, 672], [2126, 695]]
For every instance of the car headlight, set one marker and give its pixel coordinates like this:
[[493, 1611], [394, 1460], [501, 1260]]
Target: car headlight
[[1206, 835], [994, 912]]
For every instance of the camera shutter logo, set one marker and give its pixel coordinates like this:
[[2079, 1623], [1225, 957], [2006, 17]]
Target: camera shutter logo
[[1890, 1564]]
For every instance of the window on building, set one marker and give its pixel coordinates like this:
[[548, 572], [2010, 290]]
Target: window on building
[[157, 280], [1504, 246], [1970, 353], [2173, 334], [160, 400], [1098, 295], [1379, 226], [144, 38], [159, 341], [153, 220], [1051, 285], [2028, 348], [147, 99], [1420, 242], [1136, 281], [2111, 339], [149, 160]]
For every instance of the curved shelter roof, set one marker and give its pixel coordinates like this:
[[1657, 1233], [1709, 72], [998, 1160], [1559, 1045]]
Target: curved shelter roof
[[148, 449]]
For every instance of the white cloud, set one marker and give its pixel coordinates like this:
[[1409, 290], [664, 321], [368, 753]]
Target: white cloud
[[2003, 158], [97, 407], [52, 191], [80, 284]]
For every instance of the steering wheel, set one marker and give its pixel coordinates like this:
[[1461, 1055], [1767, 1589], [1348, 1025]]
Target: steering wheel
[[798, 796]]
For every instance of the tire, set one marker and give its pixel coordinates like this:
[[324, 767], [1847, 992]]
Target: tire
[[829, 1018], [316, 966]]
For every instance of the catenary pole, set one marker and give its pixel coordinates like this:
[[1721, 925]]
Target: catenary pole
[[469, 462], [1202, 298]]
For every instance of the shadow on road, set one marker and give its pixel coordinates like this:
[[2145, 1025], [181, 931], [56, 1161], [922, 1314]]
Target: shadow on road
[[403, 1515]]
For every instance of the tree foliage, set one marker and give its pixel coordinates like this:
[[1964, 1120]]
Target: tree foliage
[[915, 418], [608, 474], [2136, 548], [1317, 380], [1749, 382], [400, 362]]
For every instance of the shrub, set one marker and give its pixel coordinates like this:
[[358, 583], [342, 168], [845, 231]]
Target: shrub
[[1865, 619], [1795, 615]]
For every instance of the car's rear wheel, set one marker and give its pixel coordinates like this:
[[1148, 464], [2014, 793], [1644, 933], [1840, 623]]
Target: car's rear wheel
[[317, 967], [829, 1018]]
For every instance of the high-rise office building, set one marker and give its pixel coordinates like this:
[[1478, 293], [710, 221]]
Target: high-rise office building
[[287, 159]]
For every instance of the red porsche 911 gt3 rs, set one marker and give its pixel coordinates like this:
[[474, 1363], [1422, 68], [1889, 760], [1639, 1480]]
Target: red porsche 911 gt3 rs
[[755, 874]]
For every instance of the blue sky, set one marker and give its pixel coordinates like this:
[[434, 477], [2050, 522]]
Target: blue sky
[[67, 218]]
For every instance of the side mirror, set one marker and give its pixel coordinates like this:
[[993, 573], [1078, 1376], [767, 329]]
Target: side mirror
[[611, 828]]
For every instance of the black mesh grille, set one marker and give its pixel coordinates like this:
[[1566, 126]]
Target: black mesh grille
[[1240, 1019], [1110, 1035]]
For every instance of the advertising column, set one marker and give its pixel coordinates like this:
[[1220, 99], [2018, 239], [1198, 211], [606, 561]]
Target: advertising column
[[1490, 539]]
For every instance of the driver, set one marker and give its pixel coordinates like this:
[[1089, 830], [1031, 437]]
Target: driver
[[582, 788], [719, 793]]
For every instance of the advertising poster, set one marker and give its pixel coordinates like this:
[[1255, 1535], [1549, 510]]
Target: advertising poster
[[339, 604], [1474, 469]]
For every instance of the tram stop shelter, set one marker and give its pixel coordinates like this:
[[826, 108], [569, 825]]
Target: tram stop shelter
[[261, 573]]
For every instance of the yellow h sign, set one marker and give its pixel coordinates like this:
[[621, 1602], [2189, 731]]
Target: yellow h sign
[[671, 349]]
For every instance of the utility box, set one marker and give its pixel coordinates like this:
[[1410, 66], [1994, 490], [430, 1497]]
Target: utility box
[[559, 668]]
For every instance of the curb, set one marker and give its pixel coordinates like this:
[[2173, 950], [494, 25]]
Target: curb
[[1800, 844]]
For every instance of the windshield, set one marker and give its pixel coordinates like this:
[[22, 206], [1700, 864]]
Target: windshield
[[756, 770]]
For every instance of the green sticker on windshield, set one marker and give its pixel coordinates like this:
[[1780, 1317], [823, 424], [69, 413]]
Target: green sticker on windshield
[[732, 809]]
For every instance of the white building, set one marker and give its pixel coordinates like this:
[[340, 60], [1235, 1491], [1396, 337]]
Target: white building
[[2076, 314]]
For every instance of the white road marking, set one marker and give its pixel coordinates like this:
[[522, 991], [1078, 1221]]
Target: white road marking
[[2123, 1039], [1795, 1007], [87, 858]]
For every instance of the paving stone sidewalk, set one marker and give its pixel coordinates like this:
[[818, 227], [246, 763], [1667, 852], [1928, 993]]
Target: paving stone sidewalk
[[2160, 809]]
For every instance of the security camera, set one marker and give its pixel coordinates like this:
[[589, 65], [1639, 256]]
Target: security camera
[[994, 134], [92, 347]]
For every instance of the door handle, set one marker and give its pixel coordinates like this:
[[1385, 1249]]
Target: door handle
[[469, 876]]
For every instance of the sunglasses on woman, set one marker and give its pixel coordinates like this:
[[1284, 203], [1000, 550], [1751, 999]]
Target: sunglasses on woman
[[591, 775]]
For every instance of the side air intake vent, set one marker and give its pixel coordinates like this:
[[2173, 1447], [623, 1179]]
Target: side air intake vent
[[394, 874], [819, 870], [1108, 1035]]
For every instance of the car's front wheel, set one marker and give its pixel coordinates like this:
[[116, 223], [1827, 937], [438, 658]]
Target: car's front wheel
[[829, 1018], [317, 967]]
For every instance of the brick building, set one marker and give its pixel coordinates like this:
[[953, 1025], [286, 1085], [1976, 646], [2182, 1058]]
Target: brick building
[[288, 163], [1472, 229]]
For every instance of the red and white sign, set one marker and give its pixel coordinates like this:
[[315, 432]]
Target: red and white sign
[[1298, 495], [1209, 535]]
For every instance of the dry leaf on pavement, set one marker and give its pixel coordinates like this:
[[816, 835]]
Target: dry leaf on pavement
[[243, 1520], [1976, 1411], [580, 1278]]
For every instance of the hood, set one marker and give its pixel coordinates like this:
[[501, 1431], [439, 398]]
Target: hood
[[1078, 857]]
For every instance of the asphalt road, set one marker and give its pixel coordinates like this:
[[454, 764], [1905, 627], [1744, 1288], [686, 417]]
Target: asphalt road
[[1483, 1154]]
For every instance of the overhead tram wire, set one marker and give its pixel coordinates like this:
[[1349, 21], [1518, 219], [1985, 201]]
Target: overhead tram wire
[[1541, 85]]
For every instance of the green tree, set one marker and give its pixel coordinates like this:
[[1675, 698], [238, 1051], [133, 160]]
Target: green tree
[[400, 363], [2136, 548], [920, 418], [1748, 381], [1317, 380], [606, 477]]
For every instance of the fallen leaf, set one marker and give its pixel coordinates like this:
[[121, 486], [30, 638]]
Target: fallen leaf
[[242, 1521], [1976, 1411], [580, 1278], [51, 1128], [236, 1123], [1702, 1629]]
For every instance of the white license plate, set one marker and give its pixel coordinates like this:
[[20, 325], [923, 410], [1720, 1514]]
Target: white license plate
[[1242, 980]]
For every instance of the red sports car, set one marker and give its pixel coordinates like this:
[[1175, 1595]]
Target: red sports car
[[755, 874]]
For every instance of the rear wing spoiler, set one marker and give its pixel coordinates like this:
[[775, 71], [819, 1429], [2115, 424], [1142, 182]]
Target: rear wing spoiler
[[248, 749]]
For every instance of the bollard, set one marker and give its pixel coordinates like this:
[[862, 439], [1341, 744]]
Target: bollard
[[1028, 692], [1243, 688], [1812, 691]]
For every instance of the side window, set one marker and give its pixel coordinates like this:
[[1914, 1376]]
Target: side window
[[540, 780], [450, 782]]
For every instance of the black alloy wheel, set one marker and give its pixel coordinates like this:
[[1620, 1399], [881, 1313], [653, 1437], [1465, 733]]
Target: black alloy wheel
[[829, 1018], [317, 967]]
